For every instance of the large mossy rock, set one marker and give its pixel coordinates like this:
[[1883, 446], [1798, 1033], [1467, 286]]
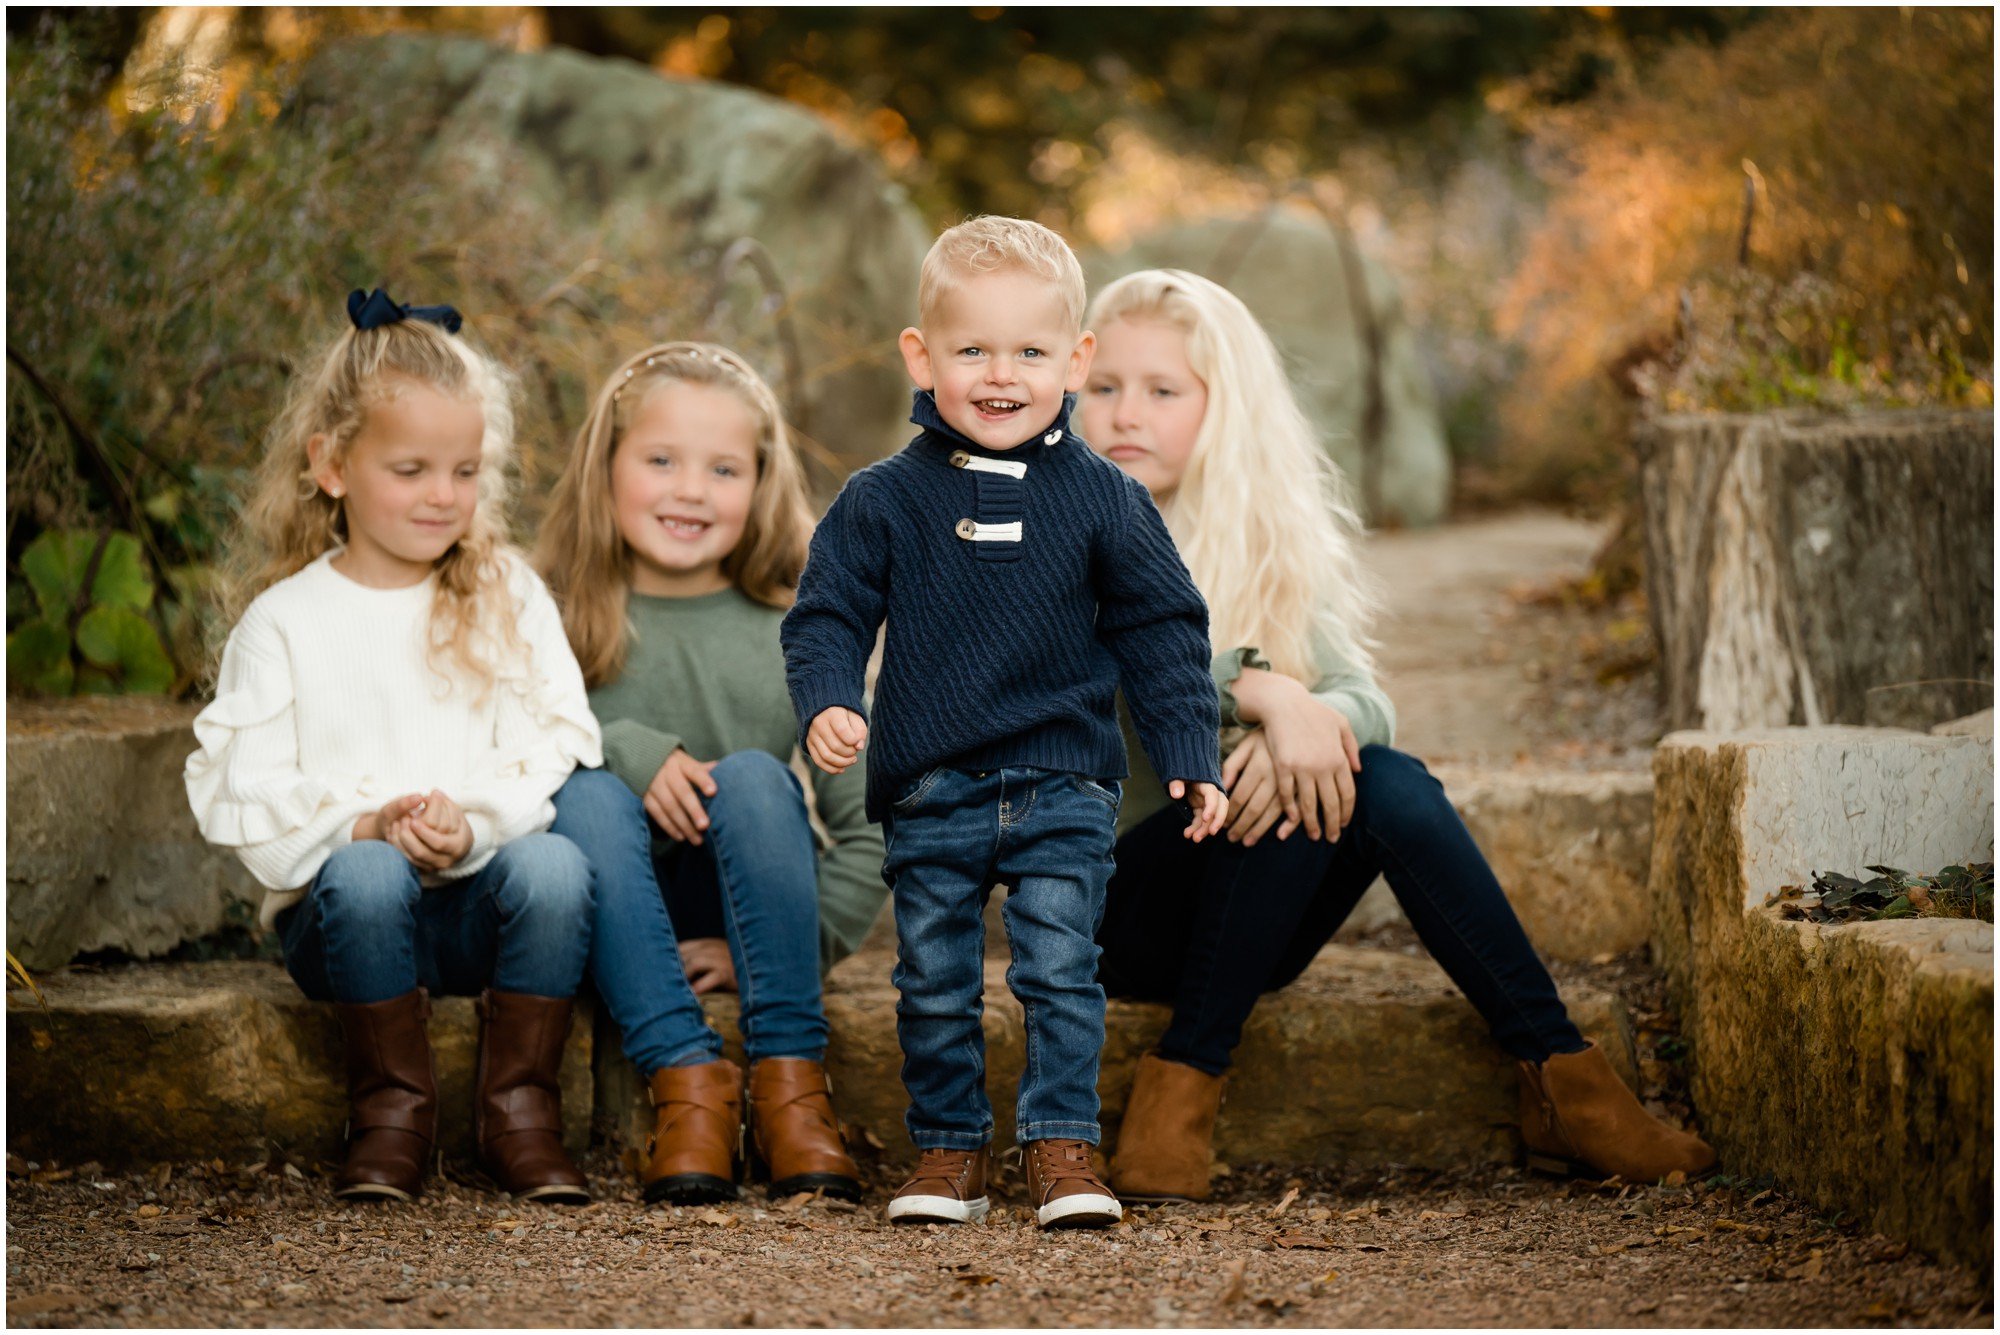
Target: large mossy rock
[[1803, 568], [1852, 1062], [660, 171], [1291, 272]]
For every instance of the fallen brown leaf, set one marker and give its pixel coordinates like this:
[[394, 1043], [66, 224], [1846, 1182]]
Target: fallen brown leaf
[[1301, 1242], [1284, 1202]]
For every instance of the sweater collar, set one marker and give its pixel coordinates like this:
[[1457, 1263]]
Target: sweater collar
[[924, 413]]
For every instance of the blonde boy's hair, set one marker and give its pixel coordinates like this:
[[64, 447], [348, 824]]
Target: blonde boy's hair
[[583, 557], [288, 522], [1278, 563], [991, 244]]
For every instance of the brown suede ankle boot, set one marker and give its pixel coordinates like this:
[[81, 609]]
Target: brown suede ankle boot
[[697, 1133], [391, 1097], [1578, 1117], [794, 1133], [1163, 1143], [517, 1102]]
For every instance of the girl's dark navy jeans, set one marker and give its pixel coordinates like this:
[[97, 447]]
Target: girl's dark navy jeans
[[1211, 927]]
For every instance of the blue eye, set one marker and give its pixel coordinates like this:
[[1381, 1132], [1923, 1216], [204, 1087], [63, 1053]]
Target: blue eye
[[726, 470], [968, 352], [1164, 392], [1032, 352]]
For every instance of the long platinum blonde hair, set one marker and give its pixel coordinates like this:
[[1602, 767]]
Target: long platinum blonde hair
[[1262, 516]]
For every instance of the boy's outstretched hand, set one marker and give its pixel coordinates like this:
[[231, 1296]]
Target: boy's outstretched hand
[[836, 738], [1211, 808]]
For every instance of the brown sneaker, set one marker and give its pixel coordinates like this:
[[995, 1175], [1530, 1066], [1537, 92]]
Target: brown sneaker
[[949, 1187], [1064, 1190]]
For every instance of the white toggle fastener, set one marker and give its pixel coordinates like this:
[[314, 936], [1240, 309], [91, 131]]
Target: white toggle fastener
[[1055, 434], [977, 532], [1005, 467]]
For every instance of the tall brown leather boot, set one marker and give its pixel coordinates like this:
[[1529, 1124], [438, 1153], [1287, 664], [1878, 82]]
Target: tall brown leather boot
[[793, 1130], [697, 1133], [1577, 1117], [1163, 1143], [517, 1101], [391, 1097]]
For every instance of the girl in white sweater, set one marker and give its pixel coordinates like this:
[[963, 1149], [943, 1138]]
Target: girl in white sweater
[[394, 710]]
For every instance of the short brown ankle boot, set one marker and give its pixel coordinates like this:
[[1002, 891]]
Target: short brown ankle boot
[[1577, 1116], [793, 1131], [697, 1133], [517, 1100], [1062, 1189], [391, 1097], [1163, 1143]]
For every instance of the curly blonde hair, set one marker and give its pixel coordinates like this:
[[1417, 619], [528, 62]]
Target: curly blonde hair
[[993, 244], [289, 521], [1263, 516], [586, 562]]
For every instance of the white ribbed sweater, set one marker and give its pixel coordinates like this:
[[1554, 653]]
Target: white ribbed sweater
[[326, 708]]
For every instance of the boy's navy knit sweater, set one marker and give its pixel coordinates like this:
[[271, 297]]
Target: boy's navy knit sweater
[[1005, 645]]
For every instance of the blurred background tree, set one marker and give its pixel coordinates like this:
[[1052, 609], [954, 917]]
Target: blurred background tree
[[1593, 212]]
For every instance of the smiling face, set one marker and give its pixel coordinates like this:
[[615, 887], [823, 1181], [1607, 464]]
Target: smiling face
[[1142, 405], [999, 353], [409, 483], [682, 477]]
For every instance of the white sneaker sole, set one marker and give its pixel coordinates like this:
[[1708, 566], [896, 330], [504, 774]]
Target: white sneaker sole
[[1091, 1211], [936, 1210]]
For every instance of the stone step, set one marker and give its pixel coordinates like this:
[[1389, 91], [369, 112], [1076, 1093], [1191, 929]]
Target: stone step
[[1570, 847], [1852, 1062], [1371, 1057], [150, 1062]]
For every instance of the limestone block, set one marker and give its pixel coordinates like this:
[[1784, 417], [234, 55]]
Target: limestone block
[[102, 851], [1853, 1062], [1809, 568], [1570, 848], [653, 170], [1294, 277], [1972, 725], [151, 1062], [1371, 1057]]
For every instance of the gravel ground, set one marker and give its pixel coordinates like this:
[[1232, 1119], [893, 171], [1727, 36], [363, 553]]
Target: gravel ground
[[266, 1245]]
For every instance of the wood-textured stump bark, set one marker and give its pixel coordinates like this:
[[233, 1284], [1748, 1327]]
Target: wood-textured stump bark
[[1809, 568]]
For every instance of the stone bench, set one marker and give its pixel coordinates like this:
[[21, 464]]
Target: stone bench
[[1372, 1057], [1570, 847], [1853, 1062]]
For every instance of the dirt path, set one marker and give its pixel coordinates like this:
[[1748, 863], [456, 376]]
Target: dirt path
[[1481, 676], [268, 1248]]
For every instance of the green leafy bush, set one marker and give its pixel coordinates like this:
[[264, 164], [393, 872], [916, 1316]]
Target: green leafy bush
[[171, 261], [89, 633], [1955, 892]]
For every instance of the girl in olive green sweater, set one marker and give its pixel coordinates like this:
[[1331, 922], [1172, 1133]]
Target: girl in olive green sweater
[[674, 541]]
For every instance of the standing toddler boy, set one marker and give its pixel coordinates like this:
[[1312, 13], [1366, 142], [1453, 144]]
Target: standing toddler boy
[[1021, 577]]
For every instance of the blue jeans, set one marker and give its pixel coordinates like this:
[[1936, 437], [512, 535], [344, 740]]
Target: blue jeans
[[1210, 928], [949, 839], [754, 880], [368, 930]]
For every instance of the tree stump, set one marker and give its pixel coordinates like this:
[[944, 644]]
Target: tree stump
[[1808, 568]]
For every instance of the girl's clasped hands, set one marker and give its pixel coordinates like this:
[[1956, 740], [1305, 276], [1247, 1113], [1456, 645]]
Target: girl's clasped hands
[[431, 831]]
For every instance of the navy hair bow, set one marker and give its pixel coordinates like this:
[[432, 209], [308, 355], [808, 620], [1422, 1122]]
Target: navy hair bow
[[374, 309]]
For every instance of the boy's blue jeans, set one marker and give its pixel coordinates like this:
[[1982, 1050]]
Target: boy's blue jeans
[[950, 838], [368, 930], [753, 881]]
